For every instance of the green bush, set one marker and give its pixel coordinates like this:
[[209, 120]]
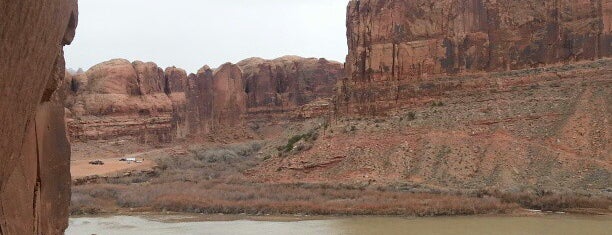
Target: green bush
[[310, 136]]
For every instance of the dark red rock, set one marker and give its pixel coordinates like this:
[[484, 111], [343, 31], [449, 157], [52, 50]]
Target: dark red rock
[[34, 151], [288, 82], [392, 41], [215, 100], [175, 79]]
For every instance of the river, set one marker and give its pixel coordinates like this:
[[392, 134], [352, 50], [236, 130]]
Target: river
[[190, 224]]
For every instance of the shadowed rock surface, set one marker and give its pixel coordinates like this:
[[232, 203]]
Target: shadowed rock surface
[[282, 85], [394, 42], [34, 148]]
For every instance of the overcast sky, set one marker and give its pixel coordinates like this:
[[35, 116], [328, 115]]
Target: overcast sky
[[192, 33]]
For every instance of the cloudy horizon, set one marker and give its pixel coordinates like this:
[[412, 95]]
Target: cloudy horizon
[[192, 33]]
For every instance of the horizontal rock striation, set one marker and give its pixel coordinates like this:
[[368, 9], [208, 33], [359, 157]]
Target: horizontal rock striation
[[138, 100], [394, 42], [34, 148], [120, 98], [544, 129]]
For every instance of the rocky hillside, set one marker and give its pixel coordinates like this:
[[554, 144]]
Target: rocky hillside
[[393, 42], [139, 100], [466, 95], [535, 129]]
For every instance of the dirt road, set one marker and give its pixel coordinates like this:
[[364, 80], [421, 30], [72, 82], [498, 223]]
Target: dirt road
[[112, 166]]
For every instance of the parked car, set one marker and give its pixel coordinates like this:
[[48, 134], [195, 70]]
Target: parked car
[[96, 162]]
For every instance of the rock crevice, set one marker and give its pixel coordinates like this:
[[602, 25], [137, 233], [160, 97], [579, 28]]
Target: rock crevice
[[34, 148]]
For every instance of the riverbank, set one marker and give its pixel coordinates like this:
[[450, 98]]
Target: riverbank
[[215, 180]]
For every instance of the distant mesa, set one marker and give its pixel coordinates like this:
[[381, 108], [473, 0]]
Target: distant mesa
[[138, 98]]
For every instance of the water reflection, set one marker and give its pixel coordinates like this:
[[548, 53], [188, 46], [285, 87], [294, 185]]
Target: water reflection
[[152, 225]]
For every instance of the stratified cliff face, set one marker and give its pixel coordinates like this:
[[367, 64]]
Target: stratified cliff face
[[536, 129], [290, 87], [119, 98], [393, 42], [175, 84], [439, 114], [284, 84], [34, 149]]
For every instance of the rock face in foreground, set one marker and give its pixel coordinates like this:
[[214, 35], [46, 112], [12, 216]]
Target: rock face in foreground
[[394, 42], [34, 149]]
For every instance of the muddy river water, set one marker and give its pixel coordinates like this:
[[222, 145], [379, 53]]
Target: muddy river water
[[185, 224]]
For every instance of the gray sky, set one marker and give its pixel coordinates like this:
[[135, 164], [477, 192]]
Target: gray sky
[[192, 33]]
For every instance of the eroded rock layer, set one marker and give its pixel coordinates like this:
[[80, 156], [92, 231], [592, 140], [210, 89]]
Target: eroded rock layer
[[34, 148], [394, 42], [525, 130], [138, 100], [120, 98], [280, 86]]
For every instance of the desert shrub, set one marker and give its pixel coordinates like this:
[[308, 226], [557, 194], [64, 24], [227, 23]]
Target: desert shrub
[[217, 155], [83, 204], [227, 153], [548, 201], [437, 104], [410, 116], [310, 136]]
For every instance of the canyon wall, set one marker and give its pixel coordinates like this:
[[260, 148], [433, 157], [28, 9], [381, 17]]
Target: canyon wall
[[394, 42], [216, 100], [466, 95], [138, 100], [122, 98], [280, 86], [34, 149]]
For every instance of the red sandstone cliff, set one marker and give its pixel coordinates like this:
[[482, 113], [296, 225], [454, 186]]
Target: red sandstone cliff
[[256, 89], [121, 99], [456, 95], [215, 100], [393, 42], [284, 84], [34, 149]]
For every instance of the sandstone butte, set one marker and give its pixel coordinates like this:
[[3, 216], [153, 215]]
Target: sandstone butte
[[34, 148], [118, 98]]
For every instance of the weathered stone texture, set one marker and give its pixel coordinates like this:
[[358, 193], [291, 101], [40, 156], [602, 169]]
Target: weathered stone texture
[[118, 98], [216, 100], [288, 82], [391, 41], [34, 149]]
